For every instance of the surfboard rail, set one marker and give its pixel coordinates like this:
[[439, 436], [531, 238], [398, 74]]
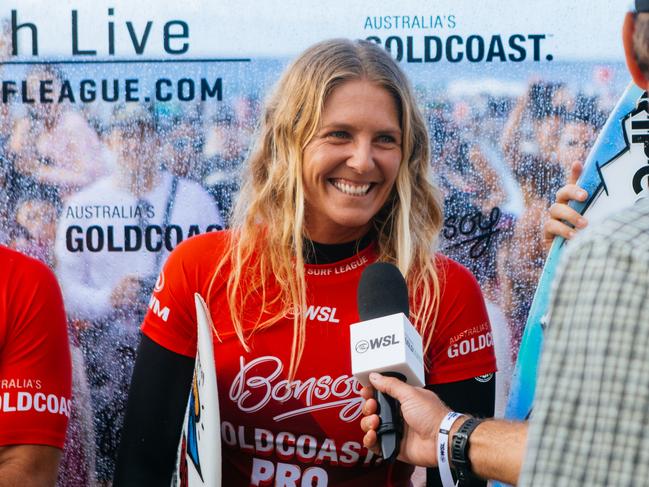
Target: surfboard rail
[[199, 451]]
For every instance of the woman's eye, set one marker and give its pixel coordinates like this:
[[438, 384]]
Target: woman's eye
[[338, 134], [386, 139]]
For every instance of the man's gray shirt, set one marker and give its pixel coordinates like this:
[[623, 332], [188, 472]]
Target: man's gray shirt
[[590, 424]]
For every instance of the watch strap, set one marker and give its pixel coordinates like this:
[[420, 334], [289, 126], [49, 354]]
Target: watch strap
[[460, 450]]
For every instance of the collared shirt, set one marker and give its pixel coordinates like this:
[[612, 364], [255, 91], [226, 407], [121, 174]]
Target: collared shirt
[[590, 424]]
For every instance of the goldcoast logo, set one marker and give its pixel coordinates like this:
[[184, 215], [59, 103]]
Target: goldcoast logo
[[471, 345], [39, 402]]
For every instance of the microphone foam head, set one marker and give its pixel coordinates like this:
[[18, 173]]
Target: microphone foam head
[[382, 291]]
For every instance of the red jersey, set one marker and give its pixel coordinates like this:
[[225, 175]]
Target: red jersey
[[35, 367], [305, 431]]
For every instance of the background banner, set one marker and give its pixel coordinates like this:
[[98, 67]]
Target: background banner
[[124, 126]]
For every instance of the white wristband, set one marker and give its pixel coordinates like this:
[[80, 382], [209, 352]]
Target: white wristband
[[442, 449]]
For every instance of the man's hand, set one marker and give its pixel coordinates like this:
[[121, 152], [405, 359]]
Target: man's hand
[[422, 412], [497, 447], [560, 212]]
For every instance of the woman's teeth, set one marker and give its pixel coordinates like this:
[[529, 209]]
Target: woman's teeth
[[351, 189]]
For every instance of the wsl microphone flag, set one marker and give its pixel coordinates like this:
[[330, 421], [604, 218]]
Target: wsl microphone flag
[[385, 340]]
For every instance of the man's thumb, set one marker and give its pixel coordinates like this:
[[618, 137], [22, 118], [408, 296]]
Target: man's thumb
[[389, 385]]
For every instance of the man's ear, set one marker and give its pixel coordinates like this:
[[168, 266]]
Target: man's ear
[[628, 29]]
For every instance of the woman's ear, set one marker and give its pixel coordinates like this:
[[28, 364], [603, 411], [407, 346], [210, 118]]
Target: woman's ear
[[628, 29]]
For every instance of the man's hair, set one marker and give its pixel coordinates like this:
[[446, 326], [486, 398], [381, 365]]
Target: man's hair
[[267, 241], [641, 42]]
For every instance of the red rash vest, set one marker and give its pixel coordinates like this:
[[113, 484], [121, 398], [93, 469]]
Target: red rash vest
[[305, 431]]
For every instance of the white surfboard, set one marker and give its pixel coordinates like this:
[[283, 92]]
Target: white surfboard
[[199, 452]]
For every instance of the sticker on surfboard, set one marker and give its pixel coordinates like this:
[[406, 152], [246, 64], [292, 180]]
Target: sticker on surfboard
[[615, 175], [199, 451]]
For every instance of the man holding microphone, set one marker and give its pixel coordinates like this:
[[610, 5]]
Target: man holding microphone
[[592, 403]]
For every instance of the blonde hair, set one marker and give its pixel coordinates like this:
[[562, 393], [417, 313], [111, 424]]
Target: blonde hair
[[267, 239]]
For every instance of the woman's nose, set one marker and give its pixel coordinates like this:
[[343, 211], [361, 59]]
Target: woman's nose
[[362, 157]]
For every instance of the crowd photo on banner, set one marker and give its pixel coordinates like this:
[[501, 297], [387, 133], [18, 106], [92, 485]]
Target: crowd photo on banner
[[103, 192]]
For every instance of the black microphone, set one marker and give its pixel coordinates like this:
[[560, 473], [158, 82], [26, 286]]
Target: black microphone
[[382, 291], [385, 341]]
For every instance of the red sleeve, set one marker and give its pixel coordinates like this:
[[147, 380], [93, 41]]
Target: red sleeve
[[462, 345], [35, 364], [171, 318]]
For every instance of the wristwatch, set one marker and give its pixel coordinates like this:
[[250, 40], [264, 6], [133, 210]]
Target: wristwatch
[[460, 450]]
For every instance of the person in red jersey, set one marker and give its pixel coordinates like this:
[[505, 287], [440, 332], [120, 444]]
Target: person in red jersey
[[339, 179], [35, 372]]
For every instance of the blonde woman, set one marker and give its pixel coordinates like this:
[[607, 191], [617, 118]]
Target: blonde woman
[[338, 179]]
